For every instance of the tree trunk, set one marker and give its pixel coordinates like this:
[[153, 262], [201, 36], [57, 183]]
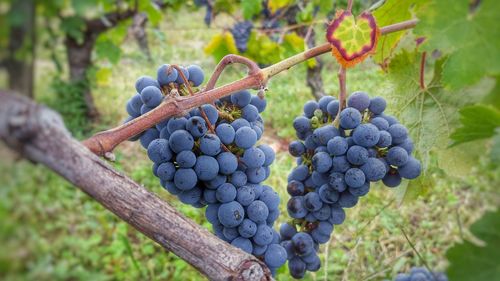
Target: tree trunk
[[79, 61], [314, 79], [313, 76], [20, 70], [138, 31], [39, 135]]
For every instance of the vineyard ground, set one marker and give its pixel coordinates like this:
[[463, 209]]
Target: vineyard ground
[[50, 231]]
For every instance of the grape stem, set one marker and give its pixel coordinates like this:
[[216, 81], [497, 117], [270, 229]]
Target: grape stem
[[342, 94], [257, 78], [422, 70]]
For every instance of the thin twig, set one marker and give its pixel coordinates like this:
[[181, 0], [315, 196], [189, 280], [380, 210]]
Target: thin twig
[[253, 68], [422, 71], [349, 6], [416, 252]]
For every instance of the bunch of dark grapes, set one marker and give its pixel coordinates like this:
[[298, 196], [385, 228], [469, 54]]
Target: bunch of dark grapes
[[241, 34], [208, 12], [421, 274], [335, 166], [210, 157]]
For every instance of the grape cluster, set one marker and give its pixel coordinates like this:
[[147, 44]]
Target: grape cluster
[[210, 157], [335, 166], [421, 274], [241, 34]]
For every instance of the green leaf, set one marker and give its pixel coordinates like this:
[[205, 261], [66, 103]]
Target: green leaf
[[262, 49], [154, 14], [251, 8], [392, 11], [495, 148], [306, 14], [275, 5], [221, 45], [478, 122], [469, 261], [106, 49], [470, 36], [431, 114], [493, 97], [74, 27]]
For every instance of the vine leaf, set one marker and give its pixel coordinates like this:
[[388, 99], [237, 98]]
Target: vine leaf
[[392, 11], [251, 8], [478, 122], [495, 149], [469, 33], [472, 262], [431, 114], [352, 40], [275, 5], [221, 45]]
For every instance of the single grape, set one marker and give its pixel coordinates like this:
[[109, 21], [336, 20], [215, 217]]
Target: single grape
[[333, 108], [350, 118], [231, 214], [226, 133], [398, 132], [186, 159], [166, 74], [354, 177], [259, 103], [245, 137], [159, 151], [253, 157], [328, 194], [263, 236], [257, 211], [366, 135], [181, 140], [247, 228], [196, 75], [337, 146], [228, 163], [359, 101], [241, 98], [210, 145], [309, 108], [145, 81], [206, 167], [196, 126], [397, 156], [295, 207], [357, 155], [185, 179], [245, 195], [275, 256], [377, 105], [243, 243], [295, 188], [321, 162], [411, 169], [374, 169]]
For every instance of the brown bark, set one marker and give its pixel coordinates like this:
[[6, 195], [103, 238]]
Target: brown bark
[[80, 53], [138, 31], [39, 135], [22, 38], [313, 74]]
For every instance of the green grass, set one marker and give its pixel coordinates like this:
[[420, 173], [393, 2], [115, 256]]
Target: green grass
[[49, 230]]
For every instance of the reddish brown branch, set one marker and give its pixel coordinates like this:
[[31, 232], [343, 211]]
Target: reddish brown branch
[[253, 68], [422, 71], [257, 78], [342, 88]]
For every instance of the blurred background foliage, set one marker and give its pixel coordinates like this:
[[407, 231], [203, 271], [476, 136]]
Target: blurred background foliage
[[81, 58]]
